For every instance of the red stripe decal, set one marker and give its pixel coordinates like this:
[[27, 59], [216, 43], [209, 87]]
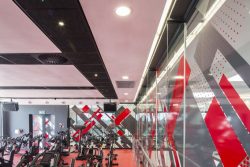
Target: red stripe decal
[[120, 132], [76, 136], [225, 140], [95, 113], [152, 132], [85, 108], [122, 116], [235, 100], [99, 116], [177, 97], [89, 126], [175, 104]]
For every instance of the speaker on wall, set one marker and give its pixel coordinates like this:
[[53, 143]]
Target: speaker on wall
[[10, 106]]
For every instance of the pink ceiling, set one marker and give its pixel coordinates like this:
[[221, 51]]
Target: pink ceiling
[[41, 75], [19, 34], [124, 42], [50, 93]]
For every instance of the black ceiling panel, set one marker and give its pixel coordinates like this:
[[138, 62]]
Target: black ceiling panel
[[95, 68], [74, 38], [21, 58], [103, 84], [100, 76], [45, 4], [72, 27], [3, 60], [80, 59]]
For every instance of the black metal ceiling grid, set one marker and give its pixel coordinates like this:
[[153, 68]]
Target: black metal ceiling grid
[[74, 39], [182, 11]]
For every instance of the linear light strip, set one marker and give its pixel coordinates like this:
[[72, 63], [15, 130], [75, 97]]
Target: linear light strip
[[155, 43], [211, 12]]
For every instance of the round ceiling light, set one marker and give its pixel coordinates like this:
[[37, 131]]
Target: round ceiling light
[[61, 23], [123, 11], [125, 77]]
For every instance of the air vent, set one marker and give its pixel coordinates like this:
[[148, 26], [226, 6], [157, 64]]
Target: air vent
[[52, 59], [125, 84]]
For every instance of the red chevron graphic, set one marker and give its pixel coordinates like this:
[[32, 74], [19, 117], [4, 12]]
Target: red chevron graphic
[[238, 104], [122, 116], [225, 140], [85, 108], [175, 105]]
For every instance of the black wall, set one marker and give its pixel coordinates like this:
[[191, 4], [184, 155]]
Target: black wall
[[20, 119]]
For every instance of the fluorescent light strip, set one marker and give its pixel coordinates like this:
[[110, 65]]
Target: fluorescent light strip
[[210, 13], [155, 43]]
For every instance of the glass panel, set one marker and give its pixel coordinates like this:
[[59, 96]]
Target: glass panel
[[217, 101]]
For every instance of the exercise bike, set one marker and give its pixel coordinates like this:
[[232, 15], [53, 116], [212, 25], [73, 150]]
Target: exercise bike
[[111, 156], [33, 151]]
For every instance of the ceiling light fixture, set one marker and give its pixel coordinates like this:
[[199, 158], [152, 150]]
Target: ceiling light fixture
[[125, 77], [125, 94], [123, 11], [61, 23], [96, 75]]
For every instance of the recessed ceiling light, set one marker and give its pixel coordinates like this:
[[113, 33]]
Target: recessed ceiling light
[[123, 11], [125, 94], [61, 23], [96, 75], [125, 77]]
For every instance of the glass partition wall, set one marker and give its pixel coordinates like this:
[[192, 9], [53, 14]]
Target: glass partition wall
[[195, 112]]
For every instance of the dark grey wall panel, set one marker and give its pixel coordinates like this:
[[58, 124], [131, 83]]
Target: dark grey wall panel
[[20, 119]]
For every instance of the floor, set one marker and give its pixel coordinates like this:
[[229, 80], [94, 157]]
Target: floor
[[125, 158]]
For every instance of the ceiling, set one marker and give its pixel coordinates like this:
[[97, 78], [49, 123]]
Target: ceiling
[[19, 34], [93, 42], [124, 43]]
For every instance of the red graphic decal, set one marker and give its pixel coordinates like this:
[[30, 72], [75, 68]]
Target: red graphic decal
[[46, 135], [99, 116], [165, 108], [86, 122], [85, 108], [93, 116], [175, 105], [46, 122], [95, 113], [225, 140], [113, 117], [235, 100], [122, 116], [120, 132], [177, 97], [88, 127], [76, 135], [153, 131]]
